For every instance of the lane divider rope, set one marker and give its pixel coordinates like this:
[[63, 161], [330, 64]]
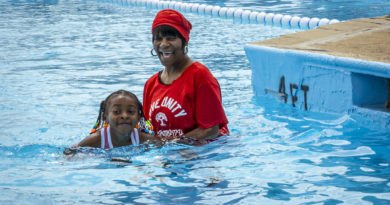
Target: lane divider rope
[[237, 14]]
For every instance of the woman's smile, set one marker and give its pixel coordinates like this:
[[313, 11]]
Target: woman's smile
[[166, 54]]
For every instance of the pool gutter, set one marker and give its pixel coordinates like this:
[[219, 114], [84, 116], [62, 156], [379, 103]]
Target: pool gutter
[[336, 68]]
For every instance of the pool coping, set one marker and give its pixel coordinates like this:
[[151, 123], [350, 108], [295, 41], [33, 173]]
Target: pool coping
[[364, 39]]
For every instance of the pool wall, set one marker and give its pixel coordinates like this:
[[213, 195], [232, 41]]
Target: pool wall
[[310, 76]]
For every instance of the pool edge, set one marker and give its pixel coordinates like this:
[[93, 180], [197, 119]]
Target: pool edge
[[294, 69]]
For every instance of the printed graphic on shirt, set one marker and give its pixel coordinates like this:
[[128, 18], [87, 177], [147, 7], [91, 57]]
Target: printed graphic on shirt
[[169, 133], [161, 117], [176, 109]]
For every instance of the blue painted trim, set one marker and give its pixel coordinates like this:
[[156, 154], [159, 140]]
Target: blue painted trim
[[347, 64]]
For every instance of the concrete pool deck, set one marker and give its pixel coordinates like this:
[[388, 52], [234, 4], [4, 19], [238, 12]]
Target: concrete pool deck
[[336, 68], [365, 39]]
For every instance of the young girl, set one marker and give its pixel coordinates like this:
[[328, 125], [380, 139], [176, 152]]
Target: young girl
[[118, 120]]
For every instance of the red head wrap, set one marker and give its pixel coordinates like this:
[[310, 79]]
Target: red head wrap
[[175, 19]]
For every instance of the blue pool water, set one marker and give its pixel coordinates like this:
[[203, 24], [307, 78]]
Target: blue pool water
[[59, 59]]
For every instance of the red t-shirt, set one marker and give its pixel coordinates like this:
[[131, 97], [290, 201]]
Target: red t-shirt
[[193, 100]]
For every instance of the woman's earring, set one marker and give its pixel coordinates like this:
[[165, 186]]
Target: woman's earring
[[185, 49], [153, 54]]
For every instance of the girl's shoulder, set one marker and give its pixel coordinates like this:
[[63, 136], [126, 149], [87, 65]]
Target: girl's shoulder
[[92, 140]]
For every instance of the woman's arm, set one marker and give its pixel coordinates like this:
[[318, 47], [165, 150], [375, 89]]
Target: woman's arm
[[198, 136], [208, 133]]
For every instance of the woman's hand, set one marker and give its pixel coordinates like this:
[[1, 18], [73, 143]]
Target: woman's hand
[[208, 133]]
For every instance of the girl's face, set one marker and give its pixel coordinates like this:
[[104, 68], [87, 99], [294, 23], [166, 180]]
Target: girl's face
[[123, 114], [169, 48]]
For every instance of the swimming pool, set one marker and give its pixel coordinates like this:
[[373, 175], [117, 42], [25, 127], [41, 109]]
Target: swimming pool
[[58, 59]]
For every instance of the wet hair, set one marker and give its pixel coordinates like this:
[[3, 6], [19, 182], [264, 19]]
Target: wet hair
[[106, 103], [166, 30]]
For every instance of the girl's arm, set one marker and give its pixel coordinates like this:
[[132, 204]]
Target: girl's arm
[[92, 140], [143, 137]]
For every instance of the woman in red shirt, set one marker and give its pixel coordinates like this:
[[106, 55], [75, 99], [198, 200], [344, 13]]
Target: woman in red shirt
[[183, 99]]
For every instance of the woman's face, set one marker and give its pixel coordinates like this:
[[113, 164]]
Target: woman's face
[[169, 48]]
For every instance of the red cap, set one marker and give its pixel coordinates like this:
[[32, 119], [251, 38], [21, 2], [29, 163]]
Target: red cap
[[175, 19]]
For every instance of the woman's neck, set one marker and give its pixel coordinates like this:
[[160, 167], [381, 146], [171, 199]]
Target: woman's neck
[[173, 72]]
